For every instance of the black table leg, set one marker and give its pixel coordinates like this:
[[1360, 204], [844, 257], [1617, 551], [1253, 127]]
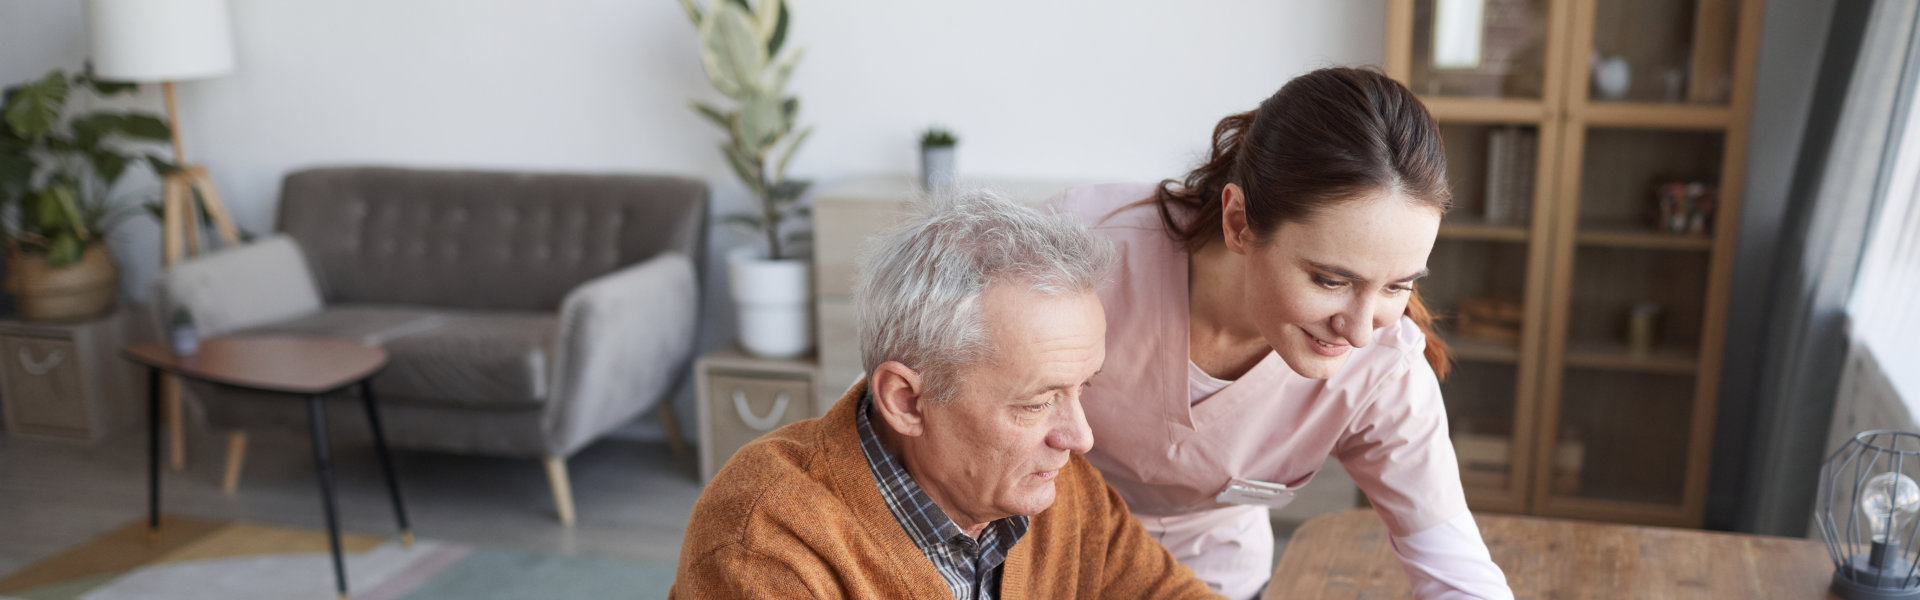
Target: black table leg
[[153, 454], [386, 461], [323, 465]]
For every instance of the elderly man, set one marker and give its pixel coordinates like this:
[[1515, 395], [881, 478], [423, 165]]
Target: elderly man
[[954, 469]]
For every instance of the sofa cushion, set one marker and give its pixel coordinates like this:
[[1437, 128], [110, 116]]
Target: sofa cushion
[[469, 358]]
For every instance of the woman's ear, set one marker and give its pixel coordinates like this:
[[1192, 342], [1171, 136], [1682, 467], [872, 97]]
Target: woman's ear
[[897, 393], [1233, 219]]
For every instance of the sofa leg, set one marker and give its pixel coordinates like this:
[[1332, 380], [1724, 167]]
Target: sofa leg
[[562, 489], [236, 457], [672, 425]]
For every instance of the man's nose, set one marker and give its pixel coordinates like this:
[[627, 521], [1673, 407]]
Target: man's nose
[[1071, 432]]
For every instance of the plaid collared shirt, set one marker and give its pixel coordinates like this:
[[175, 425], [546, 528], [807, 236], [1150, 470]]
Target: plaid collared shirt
[[971, 567]]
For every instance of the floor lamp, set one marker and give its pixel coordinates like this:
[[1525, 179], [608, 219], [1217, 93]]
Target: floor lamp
[[164, 41]]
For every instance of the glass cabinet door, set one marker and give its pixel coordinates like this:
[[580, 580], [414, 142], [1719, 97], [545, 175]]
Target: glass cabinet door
[[1661, 51], [1479, 48]]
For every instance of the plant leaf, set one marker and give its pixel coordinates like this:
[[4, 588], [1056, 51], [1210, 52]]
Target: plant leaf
[[33, 109], [731, 53], [108, 164], [162, 166], [71, 216], [145, 127], [779, 31], [64, 251], [743, 166], [765, 17], [693, 12], [750, 222], [781, 71], [102, 86], [715, 115], [780, 172], [761, 120]]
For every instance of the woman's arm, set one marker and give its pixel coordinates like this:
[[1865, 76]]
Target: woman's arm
[[1398, 452]]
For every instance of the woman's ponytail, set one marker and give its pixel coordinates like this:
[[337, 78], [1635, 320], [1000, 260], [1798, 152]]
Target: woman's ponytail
[[1438, 354], [1199, 194]]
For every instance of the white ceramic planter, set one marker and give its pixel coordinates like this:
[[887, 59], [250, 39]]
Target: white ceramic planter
[[936, 167], [773, 298]]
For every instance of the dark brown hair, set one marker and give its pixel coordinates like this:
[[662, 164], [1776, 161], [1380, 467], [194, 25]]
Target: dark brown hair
[[1326, 138]]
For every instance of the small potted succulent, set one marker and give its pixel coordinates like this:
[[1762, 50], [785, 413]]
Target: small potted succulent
[[936, 158]]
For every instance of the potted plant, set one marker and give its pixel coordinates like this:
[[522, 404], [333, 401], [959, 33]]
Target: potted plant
[[742, 51], [57, 178], [936, 158]]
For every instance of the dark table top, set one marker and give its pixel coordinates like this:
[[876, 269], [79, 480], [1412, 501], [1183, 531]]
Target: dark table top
[[292, 365]]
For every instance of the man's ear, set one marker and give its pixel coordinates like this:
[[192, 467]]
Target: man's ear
[[1233, 219], [897, 392]]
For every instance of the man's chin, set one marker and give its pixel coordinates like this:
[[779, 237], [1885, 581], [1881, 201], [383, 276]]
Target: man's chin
[[1037, 499]]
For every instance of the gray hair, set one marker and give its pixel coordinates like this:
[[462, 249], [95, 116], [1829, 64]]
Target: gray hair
[[917, 295]]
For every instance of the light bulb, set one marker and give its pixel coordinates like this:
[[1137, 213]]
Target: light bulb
[[1888, 497]]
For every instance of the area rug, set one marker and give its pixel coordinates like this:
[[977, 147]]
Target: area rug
[[207, 560]]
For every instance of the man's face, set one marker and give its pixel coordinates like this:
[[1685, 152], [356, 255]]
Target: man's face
[[994, 450]]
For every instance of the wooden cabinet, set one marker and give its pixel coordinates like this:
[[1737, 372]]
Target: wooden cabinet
[[66, 381], [1595, 150]]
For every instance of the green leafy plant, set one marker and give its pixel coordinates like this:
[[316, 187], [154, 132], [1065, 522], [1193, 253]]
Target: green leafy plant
[[741, 49], [936, 137], [57, 176]]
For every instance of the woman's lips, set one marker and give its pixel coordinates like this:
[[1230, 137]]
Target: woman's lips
[[1326, 349]]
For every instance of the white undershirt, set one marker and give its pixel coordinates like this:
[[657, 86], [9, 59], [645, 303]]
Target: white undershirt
[[1200, 385]]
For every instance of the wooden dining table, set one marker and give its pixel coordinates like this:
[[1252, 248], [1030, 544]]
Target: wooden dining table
[[1347, 555]]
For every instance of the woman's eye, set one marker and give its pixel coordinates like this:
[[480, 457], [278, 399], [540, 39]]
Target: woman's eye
[[1328, 283], [1397, 289]]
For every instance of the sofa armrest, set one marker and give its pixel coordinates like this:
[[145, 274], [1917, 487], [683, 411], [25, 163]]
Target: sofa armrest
[[624, 339], [259, 283]]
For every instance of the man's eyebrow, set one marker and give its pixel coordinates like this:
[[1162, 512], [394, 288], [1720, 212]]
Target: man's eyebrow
[[1061, 386], [1344, 272]]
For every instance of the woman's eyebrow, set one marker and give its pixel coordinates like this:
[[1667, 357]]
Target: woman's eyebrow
[[1344, 272]]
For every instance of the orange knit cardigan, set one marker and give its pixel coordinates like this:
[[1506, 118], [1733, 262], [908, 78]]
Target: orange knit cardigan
[[797, 514]]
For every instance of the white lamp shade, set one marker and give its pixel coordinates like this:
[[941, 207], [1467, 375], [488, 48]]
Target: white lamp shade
[[159, 40]]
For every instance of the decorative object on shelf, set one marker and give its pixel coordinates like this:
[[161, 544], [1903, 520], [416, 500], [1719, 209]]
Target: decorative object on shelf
[[1612, 77], [145, 41], [1686, 208], [741, 49], [1511, 152], [1490, 319], [936, 159], [1643, 327], [182, 337], [58, 180], [1865, 508]]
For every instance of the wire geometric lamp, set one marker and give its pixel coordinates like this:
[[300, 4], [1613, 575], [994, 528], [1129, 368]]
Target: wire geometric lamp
[[1866, 508]]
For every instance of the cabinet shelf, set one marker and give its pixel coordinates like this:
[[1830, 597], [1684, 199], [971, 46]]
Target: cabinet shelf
[[1485, 110], [1654, 115], [1614, 356], [1476, 349], [1626, 237], [1481, 230]]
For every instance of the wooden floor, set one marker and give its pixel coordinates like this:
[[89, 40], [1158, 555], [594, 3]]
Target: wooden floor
[[633, 498]]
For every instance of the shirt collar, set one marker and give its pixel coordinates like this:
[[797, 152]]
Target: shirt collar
[[929, 526]]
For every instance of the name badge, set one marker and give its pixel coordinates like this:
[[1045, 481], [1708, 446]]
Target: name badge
[[1255, 493]]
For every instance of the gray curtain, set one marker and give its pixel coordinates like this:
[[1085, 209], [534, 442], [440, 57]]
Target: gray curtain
[[1864, 91]]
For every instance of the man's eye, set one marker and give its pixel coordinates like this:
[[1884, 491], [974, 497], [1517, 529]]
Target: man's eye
[[1037, 408]]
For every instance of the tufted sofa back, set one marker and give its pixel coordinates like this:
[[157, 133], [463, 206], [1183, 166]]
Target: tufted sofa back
[[482, 239]]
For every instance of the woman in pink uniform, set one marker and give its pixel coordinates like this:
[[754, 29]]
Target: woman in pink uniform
[[1263, 319]]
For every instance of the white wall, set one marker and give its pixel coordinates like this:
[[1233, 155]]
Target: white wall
[[1071, 89]]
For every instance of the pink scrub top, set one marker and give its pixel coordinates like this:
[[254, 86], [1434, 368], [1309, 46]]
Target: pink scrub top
[[1170, 457]]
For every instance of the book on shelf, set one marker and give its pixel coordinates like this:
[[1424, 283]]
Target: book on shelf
[[1511, 151]]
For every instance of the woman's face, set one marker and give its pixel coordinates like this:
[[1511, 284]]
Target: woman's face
[[1318, 289]]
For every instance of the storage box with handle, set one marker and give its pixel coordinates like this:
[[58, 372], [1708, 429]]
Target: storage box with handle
[[743, 398]]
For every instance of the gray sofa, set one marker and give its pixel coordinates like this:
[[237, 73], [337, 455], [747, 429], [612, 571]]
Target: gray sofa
[[524, 314]]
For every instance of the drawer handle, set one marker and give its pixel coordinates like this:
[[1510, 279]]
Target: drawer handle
[[759, 423], [38, 367]]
